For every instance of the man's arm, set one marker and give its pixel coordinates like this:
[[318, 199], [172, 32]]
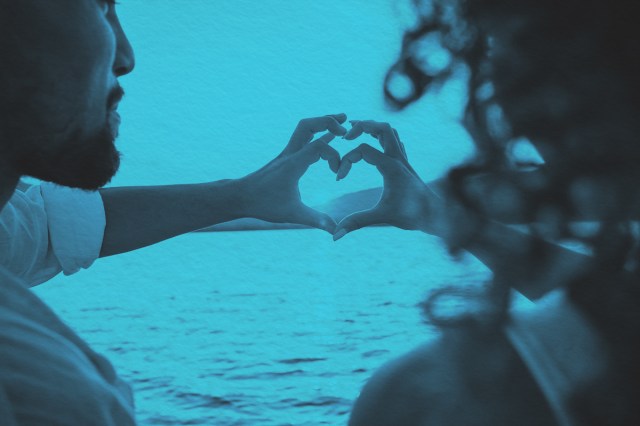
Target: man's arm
[[177, 209], [338, 209], [140, 216], [49, 229]]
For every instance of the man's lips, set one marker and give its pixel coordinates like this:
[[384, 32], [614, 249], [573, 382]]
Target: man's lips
[[114, 122], [115, 97]]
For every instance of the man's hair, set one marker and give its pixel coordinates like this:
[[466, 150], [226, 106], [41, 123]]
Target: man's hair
[[564, 75]]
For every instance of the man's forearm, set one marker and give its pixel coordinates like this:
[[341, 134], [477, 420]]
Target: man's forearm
[[338, 208], [141, 216]]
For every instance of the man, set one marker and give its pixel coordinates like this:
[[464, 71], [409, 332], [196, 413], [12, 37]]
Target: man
[[59, 94]]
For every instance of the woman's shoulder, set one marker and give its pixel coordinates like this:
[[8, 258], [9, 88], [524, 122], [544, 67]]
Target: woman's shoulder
[[467, 376]]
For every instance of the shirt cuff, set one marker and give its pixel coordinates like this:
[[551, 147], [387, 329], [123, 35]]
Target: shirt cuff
[[76, 221]]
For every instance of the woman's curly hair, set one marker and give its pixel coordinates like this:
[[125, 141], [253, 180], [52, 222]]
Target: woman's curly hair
[[563, 75]]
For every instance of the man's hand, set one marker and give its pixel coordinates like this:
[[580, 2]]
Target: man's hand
[[406, 201], [272, 193]]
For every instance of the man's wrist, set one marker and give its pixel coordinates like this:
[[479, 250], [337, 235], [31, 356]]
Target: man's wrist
[[229, 196]]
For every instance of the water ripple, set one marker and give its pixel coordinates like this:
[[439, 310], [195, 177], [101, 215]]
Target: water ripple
[[300, 360]]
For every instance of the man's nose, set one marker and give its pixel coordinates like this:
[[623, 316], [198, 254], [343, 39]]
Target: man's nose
[[125, 59]]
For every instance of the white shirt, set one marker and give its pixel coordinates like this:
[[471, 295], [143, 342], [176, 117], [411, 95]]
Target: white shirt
[[50, 229], [48, 375]]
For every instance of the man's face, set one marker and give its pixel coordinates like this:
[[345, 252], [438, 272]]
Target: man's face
[[59, 89]]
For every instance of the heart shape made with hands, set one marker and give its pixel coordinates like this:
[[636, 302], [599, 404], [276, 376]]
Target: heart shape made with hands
[[357, 199], [275, 193], [375, 206]]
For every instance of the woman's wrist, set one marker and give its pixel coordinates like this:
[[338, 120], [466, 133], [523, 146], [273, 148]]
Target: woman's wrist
[[431, 220]]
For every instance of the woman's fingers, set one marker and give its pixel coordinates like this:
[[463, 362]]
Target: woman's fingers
[[356, 221], [400, 144], [317, 149], [340, 117], [386, 135], [356, 130], [308, 127], [367, 153]]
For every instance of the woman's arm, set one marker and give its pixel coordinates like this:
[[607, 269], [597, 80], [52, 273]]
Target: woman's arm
[[408, 203]]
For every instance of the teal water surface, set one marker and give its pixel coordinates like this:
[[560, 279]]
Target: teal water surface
[[257, 328]]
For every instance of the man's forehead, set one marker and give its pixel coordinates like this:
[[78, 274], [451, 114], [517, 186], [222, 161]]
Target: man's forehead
[[31, 20]]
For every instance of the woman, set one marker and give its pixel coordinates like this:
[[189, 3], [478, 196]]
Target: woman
[[561, 75]]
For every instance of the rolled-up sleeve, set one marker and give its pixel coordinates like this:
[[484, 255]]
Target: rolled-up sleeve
[[76, 223], [49, 229]]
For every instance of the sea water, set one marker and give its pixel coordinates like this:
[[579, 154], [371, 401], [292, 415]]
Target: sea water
[[257, 328], [269, 327]]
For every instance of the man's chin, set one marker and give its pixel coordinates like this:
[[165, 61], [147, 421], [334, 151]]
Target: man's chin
[[89, 174], [85, 164]]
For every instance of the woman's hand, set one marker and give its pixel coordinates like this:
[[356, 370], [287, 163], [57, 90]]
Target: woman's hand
[[272, 193], [406, 201]]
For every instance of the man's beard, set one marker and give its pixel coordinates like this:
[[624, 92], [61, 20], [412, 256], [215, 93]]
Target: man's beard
[[86, 163]]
